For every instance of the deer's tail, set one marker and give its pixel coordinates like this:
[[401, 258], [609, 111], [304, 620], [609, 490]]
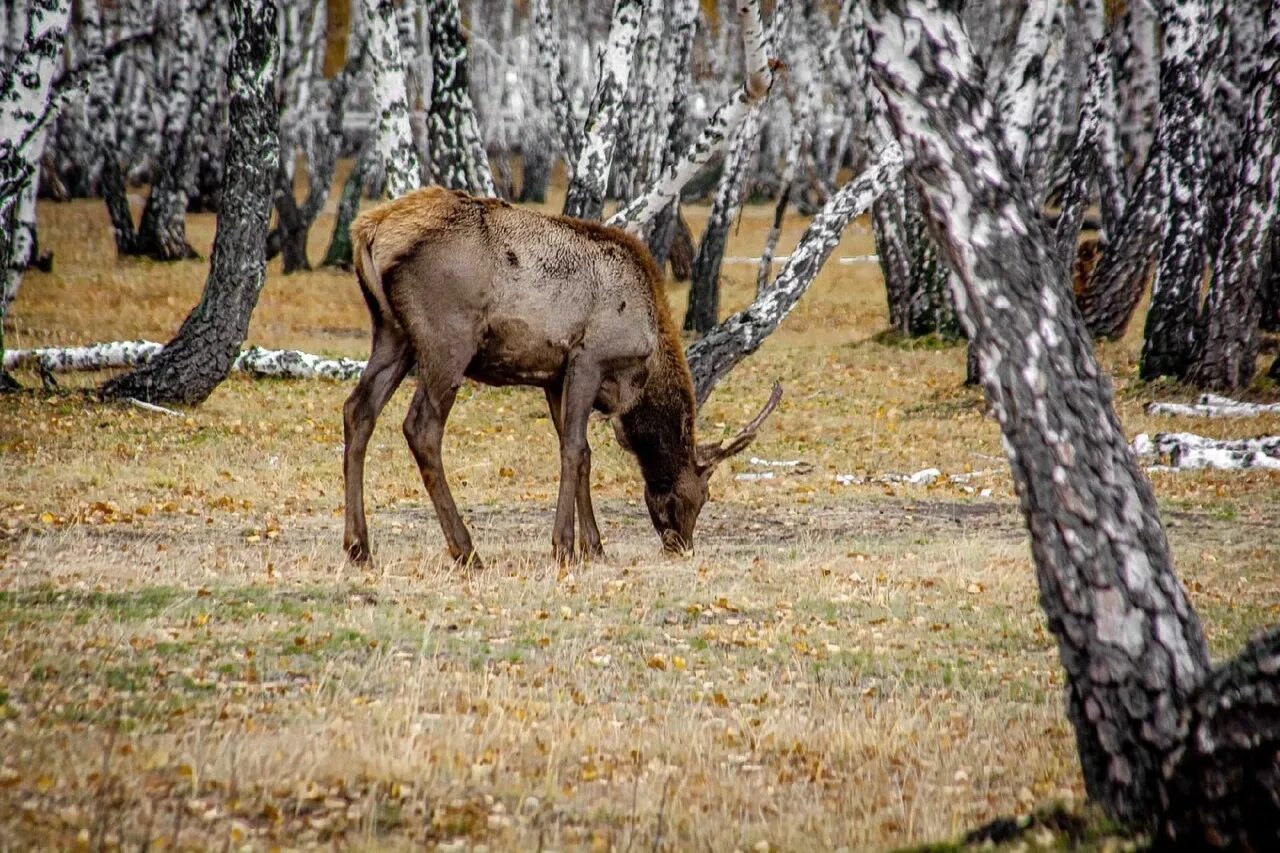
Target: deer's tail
[[367, 273]]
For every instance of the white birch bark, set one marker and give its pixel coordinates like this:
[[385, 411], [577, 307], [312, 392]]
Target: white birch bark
[[393, 138], [1187, 451], [1214, 406], [458, 156], [256, 361], [585, 197], [635, 215], [25, 110], [552, 78], [1023, 77], [1138, 81]]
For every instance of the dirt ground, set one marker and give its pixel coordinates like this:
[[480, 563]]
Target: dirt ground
[[846, 662]]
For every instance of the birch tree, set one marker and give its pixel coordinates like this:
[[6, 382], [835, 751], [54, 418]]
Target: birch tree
[[585, 196], [458, 157], [393, 138], [1164, 742], [1169, 337], [25, 110], [196, 361]]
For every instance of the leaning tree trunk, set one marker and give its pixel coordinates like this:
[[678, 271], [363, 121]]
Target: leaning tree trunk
[[1131, 645], [704, 293], [1226, 353], [585, 196], [25, 110], [1175, 295], [1161, 743], [193, 364], [717, 352], [458, 158]]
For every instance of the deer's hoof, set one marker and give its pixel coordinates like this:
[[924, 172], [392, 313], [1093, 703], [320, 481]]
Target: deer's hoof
[[593, 551]]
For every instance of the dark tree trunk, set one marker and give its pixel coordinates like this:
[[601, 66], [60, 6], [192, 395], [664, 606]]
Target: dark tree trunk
[[704, 294], [536, 172], [1226, 354], [1270, 315], [162, 232], [1131, 645], [929, 309], [1175, 294], [1220, 787], [291, 226], [339, 252], [895, 265], [193, 364]]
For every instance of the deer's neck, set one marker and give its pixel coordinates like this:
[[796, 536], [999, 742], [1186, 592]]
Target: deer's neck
[[659, 427]]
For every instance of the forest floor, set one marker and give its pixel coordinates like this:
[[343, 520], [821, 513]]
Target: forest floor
[[186, 659]]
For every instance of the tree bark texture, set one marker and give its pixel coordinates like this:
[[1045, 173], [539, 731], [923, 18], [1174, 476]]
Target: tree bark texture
[[162, 232], [1220, 787], [1131, 645], [458, 158], [1138, 62], [1226, 352], [704, 293], [585, 196], [25, 110], [393, 138], [1175, 294], [713, 355], [194, 363]]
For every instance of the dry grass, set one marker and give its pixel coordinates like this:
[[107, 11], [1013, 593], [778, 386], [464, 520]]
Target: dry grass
[[185, 658]]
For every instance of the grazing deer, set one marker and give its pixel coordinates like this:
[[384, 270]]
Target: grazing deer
[[472, 287]]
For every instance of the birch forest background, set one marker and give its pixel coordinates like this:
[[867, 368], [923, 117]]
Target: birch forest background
[[1000, 569]]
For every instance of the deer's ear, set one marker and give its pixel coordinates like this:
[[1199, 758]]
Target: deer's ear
[[711, 455]]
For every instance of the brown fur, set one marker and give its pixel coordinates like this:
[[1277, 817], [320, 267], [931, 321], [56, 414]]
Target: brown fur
[[462, 286]]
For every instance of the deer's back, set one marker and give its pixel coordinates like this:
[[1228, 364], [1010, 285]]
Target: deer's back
[[527, 289]]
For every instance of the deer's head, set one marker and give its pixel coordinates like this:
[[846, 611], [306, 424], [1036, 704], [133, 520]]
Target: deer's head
[[674, 506]]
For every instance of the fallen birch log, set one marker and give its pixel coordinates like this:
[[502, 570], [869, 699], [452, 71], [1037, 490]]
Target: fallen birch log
[[1188, 451], [1214, 406], [256, 361]]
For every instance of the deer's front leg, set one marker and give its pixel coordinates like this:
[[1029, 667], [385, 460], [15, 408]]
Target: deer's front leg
[[581, 383], [588, 533]]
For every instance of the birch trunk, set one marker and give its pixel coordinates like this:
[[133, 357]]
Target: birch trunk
[[196, 361], [162, 228], [25, 110], [585, 196], [636, 214], [704, 293], [458, 158], [1226, 354], [1175, 294], [1131, 645], [393, 138]]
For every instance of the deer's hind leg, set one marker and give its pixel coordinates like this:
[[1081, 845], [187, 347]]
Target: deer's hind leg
[[588, 533], [439, 376], [389, 361]]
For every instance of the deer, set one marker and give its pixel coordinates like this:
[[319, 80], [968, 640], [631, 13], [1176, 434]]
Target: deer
[[460, 287]]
